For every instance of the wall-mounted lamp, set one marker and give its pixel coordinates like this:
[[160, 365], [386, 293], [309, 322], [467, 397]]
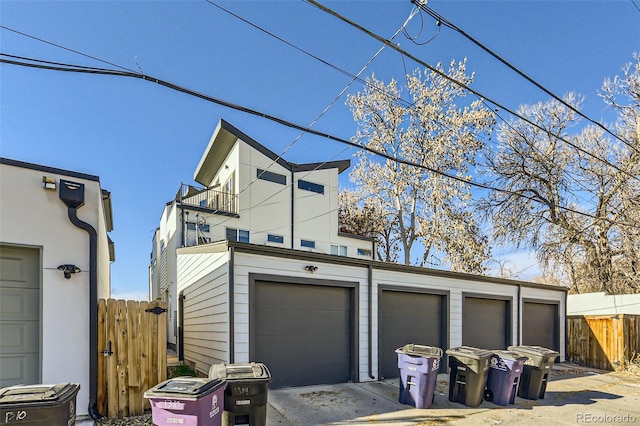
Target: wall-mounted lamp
[[48, 182], [68, 270], [311, 268]]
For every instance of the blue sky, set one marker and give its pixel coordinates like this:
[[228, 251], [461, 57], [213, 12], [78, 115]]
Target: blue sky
[[143, 140]]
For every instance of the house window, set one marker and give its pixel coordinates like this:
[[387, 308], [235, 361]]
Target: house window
[[339, 250], [203, 227], [364, 252], [308, 243], [310, 186], [271, 177], [237, 235], [275, 238]]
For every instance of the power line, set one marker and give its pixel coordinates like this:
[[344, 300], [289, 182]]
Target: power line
[[451, 25], [283, 122], [460, 84]]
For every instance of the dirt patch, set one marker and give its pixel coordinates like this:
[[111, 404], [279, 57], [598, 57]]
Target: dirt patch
[[144, 420]]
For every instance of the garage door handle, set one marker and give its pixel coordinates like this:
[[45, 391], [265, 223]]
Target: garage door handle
[[411, 383]]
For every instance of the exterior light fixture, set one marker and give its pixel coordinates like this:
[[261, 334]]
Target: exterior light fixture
[[68, 270], [48, 182], [311, 268]]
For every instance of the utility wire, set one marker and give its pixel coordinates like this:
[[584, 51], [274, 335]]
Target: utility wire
[[460, 84], [444, 21], [283, 122]]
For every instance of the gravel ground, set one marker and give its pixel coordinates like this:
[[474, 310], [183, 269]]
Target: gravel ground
[[135, 421]]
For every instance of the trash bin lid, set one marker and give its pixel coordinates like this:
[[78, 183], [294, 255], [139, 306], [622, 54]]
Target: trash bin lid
[[534, 350], [35, 393], [183, 386], [508, 354], [469, 352], [420, 350], [251, 370]]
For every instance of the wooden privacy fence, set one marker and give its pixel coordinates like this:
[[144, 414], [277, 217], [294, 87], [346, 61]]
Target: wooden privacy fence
[[132, 354], [607, 342]]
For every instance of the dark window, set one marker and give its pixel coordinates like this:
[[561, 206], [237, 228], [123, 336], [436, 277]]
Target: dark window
[[237, 235], [310, 186], [272, 177], [308, 243], [364, 252], [275, 238]]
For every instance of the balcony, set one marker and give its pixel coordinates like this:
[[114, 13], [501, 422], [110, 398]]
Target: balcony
[[208, 199]]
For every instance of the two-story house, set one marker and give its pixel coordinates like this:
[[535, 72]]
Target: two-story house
[[255, 268]]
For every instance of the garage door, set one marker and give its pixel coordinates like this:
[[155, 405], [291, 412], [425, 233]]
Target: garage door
[[407, 317], [540, 325], [19, 316], [303, 333], [486, 323]]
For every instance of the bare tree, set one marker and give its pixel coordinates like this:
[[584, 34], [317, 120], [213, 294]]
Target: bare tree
[[572, 192], [366, 217], [440, 130]]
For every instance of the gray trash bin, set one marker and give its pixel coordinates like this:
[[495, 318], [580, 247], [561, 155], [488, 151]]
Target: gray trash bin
[[468, 376], [535, 375], [39, 405], [245, 399]]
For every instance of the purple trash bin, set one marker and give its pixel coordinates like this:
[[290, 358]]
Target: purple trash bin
[[505, 368], [187, 401], [419, 367]]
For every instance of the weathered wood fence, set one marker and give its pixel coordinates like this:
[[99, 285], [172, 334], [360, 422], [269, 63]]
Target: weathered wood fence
[[603, 341], [132, 354]]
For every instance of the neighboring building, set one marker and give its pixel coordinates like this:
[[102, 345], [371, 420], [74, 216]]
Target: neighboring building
[[55, 257], [249, 194], [601, 303], [263, 274]]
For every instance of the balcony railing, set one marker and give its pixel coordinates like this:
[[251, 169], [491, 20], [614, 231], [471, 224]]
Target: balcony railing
[[207, 198]]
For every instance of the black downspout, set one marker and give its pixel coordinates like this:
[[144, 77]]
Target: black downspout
[[566, 323], [232, 331], [370, 286]]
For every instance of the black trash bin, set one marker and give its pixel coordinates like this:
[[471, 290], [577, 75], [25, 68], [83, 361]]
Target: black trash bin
[[39, 405], [533, 381], [245, 399], [468, 376], [187, 401], [419, 367], [505, 368]]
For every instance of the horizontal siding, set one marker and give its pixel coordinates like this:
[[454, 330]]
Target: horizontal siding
[[203, 280], [247, 263]]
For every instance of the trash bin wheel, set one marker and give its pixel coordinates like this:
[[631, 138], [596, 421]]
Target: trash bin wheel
[[488, 395]]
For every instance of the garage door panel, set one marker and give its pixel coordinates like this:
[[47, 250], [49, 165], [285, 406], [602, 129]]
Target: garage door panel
[[540, 325], [485, 323], [302, 332], [407, 317], [19, 315]]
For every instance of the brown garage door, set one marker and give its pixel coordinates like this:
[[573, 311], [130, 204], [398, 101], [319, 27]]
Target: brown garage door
[[486, 323], [407, 317], [303, 333], [540, 325]]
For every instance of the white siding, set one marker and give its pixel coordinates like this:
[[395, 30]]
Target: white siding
[[203, 280], [603, 304], [37, 218]]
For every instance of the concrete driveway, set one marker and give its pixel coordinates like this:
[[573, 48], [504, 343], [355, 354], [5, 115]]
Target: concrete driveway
[[574, 396]]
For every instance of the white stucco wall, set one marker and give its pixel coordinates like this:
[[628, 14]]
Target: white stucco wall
[[603, 304], [34, 217]]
